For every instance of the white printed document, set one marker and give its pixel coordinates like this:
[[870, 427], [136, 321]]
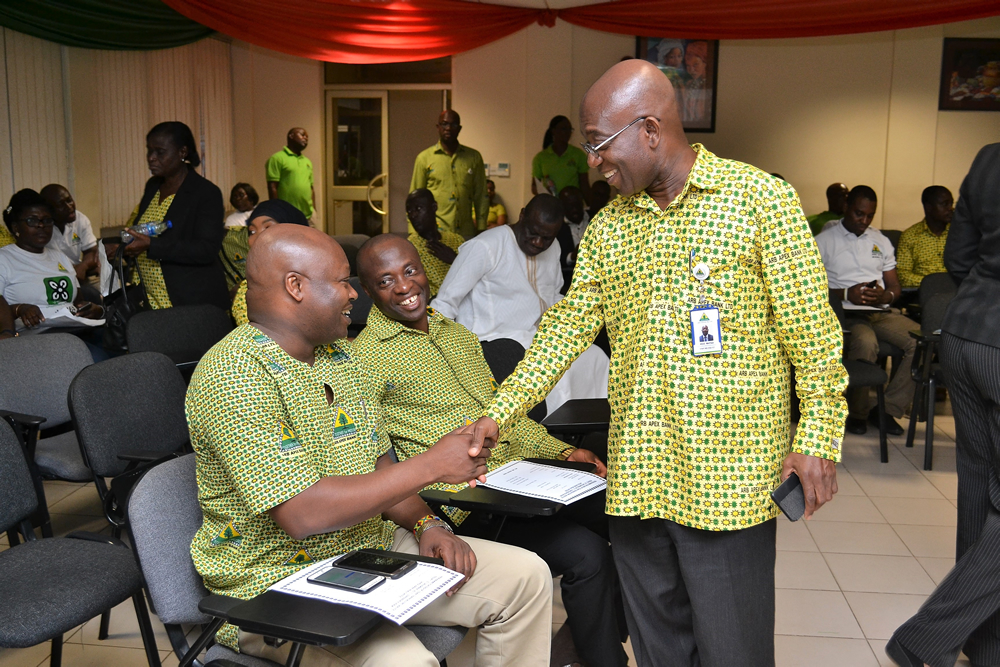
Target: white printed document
[[561, 485], [58, 316], [397, 599]]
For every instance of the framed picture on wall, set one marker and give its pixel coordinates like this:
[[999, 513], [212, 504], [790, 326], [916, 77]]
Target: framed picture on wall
[[692, 65], [970, 75]]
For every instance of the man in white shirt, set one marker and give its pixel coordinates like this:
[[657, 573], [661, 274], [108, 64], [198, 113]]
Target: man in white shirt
[[861, 271], [72, 234], [505, 278]]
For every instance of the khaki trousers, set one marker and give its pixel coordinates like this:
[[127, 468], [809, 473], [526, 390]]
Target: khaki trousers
[[509, 598], [866, 331]]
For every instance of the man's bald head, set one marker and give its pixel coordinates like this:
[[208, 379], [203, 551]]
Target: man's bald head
[[647, 153], [369, 255], [298, 280], [393, 276]]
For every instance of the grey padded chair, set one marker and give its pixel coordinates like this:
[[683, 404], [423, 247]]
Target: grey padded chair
[[126, 411], [50, 586], [183, 333], [164, 516]]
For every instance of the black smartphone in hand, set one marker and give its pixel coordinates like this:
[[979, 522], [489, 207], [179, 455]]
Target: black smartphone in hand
[[790, 498]]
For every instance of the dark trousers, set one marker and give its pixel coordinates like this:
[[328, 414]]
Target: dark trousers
[[574, 544], [697, 598], [963, 611]]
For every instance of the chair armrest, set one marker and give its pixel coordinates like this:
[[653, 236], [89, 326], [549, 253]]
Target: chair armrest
[[921, 337], [485, 499], [22, 419], [95, 537], [144, 456], [218, 605], [582, 466]]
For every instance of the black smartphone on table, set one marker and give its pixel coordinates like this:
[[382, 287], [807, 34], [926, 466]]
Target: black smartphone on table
[[349, 580], [790, 498], [374, 561]]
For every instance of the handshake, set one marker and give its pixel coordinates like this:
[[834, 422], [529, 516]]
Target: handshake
[[460, 456]]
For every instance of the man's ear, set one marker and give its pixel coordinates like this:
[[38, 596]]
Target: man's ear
[[295, 286], [652, 128]]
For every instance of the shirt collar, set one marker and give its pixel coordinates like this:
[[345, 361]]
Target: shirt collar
[[384, 328], [439, 148], [289, 151], [704, 175]]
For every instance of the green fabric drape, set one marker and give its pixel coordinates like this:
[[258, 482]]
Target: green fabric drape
[[132, 25]]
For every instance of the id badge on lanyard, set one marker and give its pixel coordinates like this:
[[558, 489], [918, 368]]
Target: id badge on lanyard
[[706, 329]]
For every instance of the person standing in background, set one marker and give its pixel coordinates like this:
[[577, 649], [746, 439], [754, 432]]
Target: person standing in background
[[290, 174], [836, 207], [456, 176], [73, 235], [559, 165], [962, 614]]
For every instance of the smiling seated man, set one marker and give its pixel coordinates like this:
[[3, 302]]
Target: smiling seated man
[[293, 467], [429, 375]]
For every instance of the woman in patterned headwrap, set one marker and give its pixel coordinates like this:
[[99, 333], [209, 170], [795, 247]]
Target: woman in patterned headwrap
[[266, 214]]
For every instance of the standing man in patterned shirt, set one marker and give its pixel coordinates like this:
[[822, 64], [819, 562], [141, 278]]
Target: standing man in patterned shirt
[[294, 467], [697, 442], [456, 175], [921, 247], [437, 247]]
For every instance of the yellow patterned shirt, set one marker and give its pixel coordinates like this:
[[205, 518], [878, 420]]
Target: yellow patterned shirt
[[699, 440], [920, 253], [6, 238], [429, 384], [235, 248], [435, 269], [239, 309], [150, 273], [262, 432]]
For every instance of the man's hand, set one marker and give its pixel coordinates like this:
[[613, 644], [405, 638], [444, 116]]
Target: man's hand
[[454, 460], [30, 314], [442, 252], [587, 456], [818, 477], [485, 434], [456, 553]]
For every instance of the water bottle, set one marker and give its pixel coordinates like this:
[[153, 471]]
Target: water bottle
[[147, 229]]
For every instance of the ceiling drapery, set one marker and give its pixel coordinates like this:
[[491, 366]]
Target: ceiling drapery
[[133, 25]]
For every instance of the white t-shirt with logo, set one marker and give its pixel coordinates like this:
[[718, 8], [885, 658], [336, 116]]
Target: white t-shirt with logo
[[77, 239], [851, 260], [41, 279]]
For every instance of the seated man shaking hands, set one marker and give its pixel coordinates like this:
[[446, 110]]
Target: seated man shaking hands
[[293, 467], [430, 377]]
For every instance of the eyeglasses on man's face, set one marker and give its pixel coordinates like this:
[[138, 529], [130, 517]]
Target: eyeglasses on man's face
[[593, 150]]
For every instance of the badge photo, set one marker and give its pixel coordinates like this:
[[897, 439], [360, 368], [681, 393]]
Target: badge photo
[[706, 331]]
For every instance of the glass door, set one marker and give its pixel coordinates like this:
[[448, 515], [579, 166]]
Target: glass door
[[357, 162]]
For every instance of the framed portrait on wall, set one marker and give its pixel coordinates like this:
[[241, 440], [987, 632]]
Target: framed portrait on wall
[[970, 75], [692, 65]]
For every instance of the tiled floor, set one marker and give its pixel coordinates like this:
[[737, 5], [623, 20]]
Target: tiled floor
[[845, 580]]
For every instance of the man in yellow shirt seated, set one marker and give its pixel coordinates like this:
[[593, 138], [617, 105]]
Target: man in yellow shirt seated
[[430, 376], [293, 466], [921, 247], [437, 246]]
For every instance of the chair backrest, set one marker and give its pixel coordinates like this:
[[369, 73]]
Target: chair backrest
[[36, 371], [126, 404], [937, 284], [893, 236], [351, 243], [188, 331], [932, 313], [502, 356], [17, 492], [163, 516], [362, 306]]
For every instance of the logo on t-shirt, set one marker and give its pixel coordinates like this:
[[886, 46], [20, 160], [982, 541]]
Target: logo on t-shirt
[[289, 443], [228, 537], [876, 252], [301, 557], [58, 290], [343, 425]]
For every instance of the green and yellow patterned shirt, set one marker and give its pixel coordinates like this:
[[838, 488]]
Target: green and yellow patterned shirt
[[699, 440], [150, 273], [262, 432], [239, 308], [429, 384], [920, 253], [435, 269], [6, 238], [235, 248]]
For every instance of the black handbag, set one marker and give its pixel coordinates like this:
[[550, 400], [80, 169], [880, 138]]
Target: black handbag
[[123, 303]]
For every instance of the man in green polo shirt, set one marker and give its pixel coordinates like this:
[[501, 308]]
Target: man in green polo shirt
[[456, 175], [290, 173], [293, 467]]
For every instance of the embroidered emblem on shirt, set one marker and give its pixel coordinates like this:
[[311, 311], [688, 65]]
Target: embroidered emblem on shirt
[[289, 443], [389, 386], [58, 289], [229, 536], [301, 557], [876, 251], [61, 267], [336, 354], [343, 426]]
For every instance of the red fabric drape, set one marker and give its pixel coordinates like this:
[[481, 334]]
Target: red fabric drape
[[360, 31], [764, 19], [382, 31]]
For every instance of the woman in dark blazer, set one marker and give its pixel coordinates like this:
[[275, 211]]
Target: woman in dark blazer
[[180, 267]]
